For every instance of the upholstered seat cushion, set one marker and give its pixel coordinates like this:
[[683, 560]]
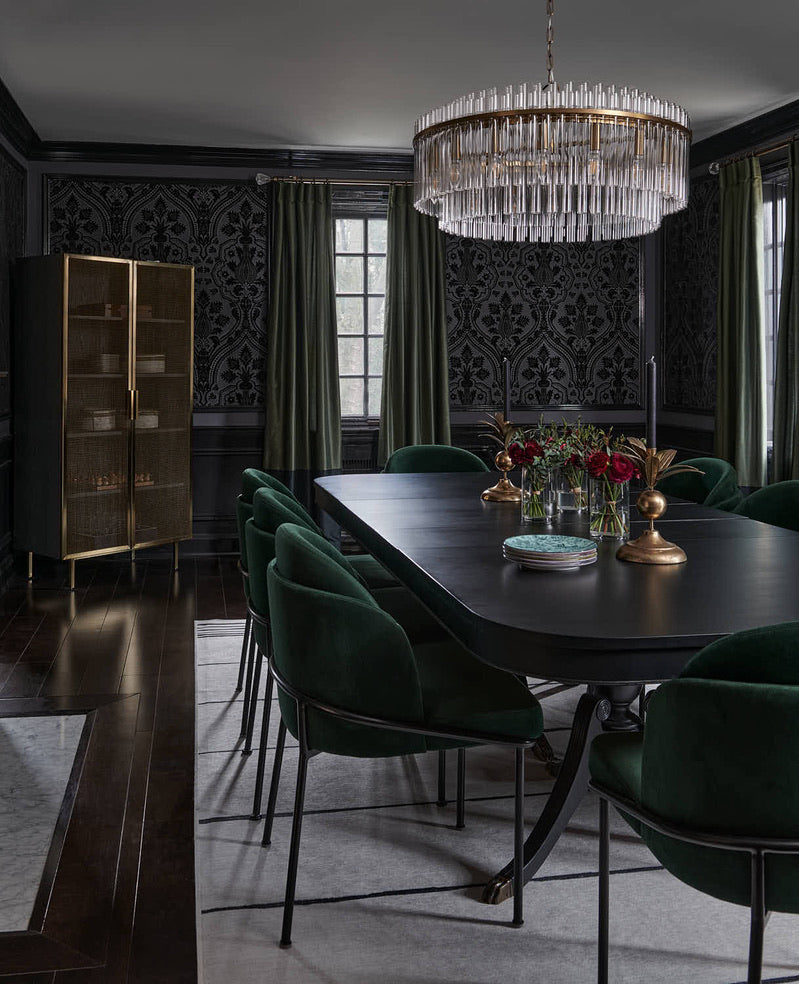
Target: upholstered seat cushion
[[615, 763], [460, 691]]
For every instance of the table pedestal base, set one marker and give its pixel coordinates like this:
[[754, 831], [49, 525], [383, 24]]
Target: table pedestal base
[[603, 707]]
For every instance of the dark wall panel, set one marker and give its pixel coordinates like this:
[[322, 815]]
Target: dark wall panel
[[12, 245], [690, 289], [568, 317], [219, 227]]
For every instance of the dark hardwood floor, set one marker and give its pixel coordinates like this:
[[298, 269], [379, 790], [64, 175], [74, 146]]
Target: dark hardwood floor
[[129, 629]]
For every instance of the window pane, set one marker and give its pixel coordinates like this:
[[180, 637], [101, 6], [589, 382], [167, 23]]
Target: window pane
[[378, 229], [377, 275], [349, 235], [375, 389], [350, 356], [349, 274], [351, 397], [377, 310], [375, 356], [349, 315]]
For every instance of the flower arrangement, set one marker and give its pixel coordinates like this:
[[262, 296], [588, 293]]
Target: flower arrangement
[[536, 452], [576, 443], [611, 468]]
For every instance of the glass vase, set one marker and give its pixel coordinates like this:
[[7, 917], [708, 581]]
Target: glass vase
[[570, 494], [538, 497], [609, 508]]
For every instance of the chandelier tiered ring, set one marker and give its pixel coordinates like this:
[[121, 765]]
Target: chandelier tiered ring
[[552, 163]]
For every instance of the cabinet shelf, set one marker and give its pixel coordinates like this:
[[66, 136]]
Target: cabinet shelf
[[96, 375], [161, 375], [76, 435], [102, 493], [99, 317], [161, 321]]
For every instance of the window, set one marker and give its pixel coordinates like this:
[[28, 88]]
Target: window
[[360, 307], [775, 194]]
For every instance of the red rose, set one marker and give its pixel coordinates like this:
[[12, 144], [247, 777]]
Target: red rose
[[621, 469], [576, 461], [516, 453], [597, 464], [534, 450]]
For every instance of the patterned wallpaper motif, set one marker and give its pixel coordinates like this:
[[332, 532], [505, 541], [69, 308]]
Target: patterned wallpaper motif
[[690, 288], [12, 245], [218, 227], [569, 319]]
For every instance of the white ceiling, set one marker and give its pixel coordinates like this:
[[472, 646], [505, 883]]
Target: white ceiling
[[356, 73]]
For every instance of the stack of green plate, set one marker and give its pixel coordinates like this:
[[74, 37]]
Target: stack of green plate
[[548, 552]]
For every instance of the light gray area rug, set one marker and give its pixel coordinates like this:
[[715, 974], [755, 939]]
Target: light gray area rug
[[388, 891]]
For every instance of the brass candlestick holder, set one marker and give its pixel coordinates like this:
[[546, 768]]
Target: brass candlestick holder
[[504, 490], [501, 432], [650, 547]]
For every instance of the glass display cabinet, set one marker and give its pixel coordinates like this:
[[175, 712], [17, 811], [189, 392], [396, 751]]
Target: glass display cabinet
[[102, 405]]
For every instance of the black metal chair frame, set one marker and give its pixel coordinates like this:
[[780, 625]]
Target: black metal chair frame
[[757, 847], [246, 661], [303, 702]]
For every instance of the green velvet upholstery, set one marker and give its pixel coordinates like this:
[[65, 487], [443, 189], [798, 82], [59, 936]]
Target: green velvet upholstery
[[776, 504], [253, 479], [434, 458], [717, 486], [719, 755], [339, 647], [243, 513], [615, 763]]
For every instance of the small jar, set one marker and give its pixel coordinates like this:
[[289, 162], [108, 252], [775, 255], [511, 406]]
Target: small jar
[[609, 505], [538, 497]]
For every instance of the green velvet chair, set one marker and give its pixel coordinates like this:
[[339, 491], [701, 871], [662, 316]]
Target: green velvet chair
[[433, 458], [717, 486], [711, 784], [350, 683], [270, 510], [776, 504]]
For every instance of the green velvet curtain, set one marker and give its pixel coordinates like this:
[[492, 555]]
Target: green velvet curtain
[[741, 378], [786, 388], [415, 402], [303, 414]]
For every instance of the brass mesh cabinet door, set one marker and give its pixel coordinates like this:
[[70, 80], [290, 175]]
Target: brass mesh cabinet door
[[96, 422], [163, 346]]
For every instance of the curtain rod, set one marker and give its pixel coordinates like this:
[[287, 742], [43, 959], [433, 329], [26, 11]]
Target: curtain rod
[[715, 166], [262, 179]]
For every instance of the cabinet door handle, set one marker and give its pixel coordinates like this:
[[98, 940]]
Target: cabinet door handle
[[135, 404], [131, 404]]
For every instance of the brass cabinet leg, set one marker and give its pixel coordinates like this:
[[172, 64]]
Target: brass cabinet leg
[[71, 575], [30, 565], [175, 555], [133, 555]]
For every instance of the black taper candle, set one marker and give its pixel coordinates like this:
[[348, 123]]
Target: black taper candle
[[506, 392], [651, 403]]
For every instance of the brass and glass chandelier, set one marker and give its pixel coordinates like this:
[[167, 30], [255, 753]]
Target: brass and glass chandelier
[[552, 162]]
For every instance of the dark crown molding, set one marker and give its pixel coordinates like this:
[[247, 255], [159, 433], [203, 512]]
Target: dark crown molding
[[371, 162], [773, 127], [15, 126]]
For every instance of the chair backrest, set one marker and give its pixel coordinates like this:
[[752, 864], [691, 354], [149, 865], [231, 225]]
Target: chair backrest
[[775, 504], [434, 458], [334, 643], [253, 479], [717, 486], [719, 755]]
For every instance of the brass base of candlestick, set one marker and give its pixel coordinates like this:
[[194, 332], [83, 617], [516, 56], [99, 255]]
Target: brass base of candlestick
[[650, 547], [504, 490]]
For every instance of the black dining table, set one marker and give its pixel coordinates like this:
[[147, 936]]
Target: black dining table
[[611, 627]]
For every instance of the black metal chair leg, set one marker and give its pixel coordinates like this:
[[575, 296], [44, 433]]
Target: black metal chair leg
[[243, 660], [518, 842], [256, 686], [442, 778], [604, 892], [460, 815], [261, 767], [294, 851], [275, 783], [245, 712], [758, 919]]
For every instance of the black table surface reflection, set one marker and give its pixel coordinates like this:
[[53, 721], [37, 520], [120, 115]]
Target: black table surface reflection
[[610, 626]]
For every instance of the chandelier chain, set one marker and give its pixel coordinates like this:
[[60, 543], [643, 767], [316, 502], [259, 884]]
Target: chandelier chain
[[550, 62]]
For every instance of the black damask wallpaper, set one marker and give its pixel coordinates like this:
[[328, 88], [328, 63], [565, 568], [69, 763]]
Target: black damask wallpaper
[[218, 227], [690, 288], [568, 317], [12, 245]]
